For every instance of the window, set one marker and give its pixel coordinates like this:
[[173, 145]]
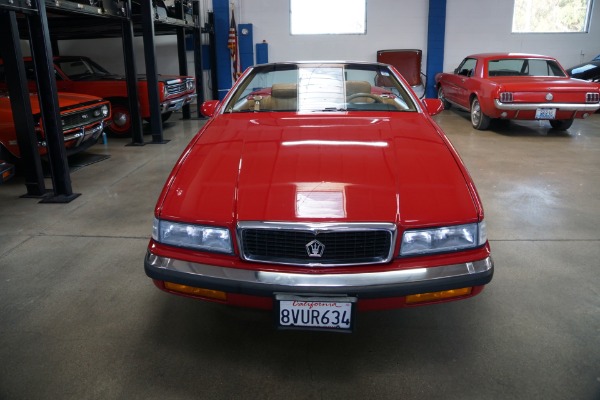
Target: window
[[319, 17], [551, 16], [467, 67], [524, 67], [320, 87]]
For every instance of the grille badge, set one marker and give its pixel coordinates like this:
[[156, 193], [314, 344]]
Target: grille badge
[[315, 249]]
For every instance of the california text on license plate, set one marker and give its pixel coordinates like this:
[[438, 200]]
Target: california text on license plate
[[321, 313], [545, 113]]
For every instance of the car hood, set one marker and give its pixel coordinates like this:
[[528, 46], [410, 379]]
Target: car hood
[[253, 167], [116, 77], [585, 66], [66, 101]]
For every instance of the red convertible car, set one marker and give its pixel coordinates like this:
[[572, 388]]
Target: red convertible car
[[517, 86], [319, 189], [83, 121]]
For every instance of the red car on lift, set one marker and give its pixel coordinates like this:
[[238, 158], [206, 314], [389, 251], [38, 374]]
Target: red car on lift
[[319, 189], [517, 86], [7, 171], [83, 121], [77, 74]]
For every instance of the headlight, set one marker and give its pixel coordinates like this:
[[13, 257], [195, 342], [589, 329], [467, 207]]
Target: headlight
[[198, 237], [449, 238], [101, 111], [190, 84]]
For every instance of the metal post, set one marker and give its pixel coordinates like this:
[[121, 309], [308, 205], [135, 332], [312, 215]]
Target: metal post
[[199, 72], [181, 54], [42, 57], [151, 74], [213, 56], [137, 134], [10, 49]]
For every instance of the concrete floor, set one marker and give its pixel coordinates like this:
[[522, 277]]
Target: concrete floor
[[80, 320]]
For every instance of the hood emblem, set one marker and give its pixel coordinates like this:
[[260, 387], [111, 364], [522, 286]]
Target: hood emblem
[[315, 249], [549, 96], [84, 116]]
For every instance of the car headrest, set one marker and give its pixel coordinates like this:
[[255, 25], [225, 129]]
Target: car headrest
[[353, 87], [284, 90]]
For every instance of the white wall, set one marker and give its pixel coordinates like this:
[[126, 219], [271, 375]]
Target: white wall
[[391, 24], [472, 26]]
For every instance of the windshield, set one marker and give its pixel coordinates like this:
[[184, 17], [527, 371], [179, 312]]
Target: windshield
[[524, 67], [81, 68], [320, 88]]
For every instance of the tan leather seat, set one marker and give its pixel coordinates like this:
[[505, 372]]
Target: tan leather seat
[[284, 96], [355, 87]]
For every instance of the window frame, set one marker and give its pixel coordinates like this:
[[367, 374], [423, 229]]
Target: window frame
[[296, 30], [585, 28]]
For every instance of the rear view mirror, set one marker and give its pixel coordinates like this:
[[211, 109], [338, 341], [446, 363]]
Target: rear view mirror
[[433, 106], [208, 108]]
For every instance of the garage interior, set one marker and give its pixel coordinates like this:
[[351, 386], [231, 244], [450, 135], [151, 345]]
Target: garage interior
[[79, 318]]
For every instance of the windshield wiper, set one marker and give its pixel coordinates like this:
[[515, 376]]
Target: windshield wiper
[[331, 109]]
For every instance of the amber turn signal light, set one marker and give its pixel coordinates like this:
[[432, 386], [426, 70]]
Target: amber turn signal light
[[435, 296], [194, 291]]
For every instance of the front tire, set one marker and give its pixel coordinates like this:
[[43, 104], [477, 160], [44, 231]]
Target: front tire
[[442, 97], [561, 124], [479, 120], [166, 116], [120, 119]]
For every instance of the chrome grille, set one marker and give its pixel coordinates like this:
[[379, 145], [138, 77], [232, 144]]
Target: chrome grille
[[81, 118], [341, 244], [176, 88]]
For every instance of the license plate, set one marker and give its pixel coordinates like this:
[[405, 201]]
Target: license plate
[[545, 113], [176, 106], [315, 313]]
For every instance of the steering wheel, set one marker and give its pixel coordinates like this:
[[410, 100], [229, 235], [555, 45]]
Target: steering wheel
[[369, 95]]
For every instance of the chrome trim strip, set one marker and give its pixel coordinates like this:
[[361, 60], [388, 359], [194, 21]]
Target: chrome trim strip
[[317, 226], [176, 104], [534, 106], [74, 136], [85, 132], [266, 279]]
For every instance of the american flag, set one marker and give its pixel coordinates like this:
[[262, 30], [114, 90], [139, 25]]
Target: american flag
[[232, 44]]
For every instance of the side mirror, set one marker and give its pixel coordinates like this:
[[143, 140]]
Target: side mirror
[[208, 108], [433, 106]]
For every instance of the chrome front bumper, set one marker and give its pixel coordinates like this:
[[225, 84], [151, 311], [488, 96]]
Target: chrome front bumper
[[366, 284], [176, 104], [583, 107], [81, 134]]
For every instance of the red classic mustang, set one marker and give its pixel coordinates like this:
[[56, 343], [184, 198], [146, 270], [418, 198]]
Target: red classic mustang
[[318, 189], [517, 86], [83, 121]]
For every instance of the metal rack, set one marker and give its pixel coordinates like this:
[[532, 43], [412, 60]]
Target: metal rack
[[43, 23]]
